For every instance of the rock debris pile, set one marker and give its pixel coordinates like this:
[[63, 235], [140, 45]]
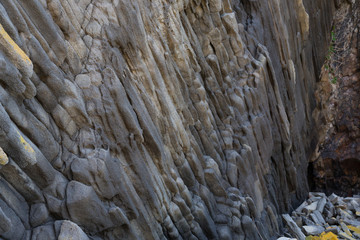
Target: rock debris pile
[[324, 218]]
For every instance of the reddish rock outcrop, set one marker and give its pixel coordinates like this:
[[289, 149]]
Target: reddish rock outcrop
[[336, 166]]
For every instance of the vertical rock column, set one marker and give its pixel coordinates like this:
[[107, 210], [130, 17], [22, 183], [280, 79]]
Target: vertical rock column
[[154, 119]]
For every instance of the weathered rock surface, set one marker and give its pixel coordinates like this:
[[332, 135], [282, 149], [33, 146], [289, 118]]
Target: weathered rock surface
[[334, 218], [156, 119], [336, 164]]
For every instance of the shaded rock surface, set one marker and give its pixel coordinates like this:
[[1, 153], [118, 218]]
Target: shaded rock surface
[[156, 119], [335, 164]]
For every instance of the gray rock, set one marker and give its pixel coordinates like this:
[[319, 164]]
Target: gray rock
[[10, 220], [317, 218], [321, 204], [118, 216], [295, 230], [70, 230], [205, 221], [43, 232], [5, 223], [157, 119], [225, 233], [38, 214], [85, 207], [301, 207], [313, 230], [311, 207], [249, 228], [317, 223]]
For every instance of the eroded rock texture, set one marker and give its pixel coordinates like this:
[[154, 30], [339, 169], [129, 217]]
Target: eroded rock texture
[[155, 119], [336, 166]]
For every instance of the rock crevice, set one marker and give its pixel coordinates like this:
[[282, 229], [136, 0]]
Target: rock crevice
[[334, 165]]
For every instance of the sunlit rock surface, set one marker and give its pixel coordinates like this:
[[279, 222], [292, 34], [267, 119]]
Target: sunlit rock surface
[[156, 119]]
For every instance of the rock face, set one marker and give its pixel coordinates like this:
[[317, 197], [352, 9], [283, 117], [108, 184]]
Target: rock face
[[336, 165], [156, 119]]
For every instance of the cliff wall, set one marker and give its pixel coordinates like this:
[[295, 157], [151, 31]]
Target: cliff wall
[[156, 119], [335, 163]]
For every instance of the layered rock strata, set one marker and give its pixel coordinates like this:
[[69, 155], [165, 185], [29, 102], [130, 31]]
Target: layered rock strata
[[155, 119]]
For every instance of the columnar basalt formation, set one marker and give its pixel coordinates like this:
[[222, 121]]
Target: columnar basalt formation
[[156, 119]]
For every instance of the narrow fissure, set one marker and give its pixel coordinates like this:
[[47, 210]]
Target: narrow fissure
[[332, 209], [334, 165]]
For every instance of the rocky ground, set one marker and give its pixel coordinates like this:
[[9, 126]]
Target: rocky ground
[[324, 218]]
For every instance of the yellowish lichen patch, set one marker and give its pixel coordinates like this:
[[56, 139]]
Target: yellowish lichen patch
[[323, 236], [312, 238], [354, 229], [328, 236], [3, 157], [25, 144], [15, 53], [15, 47]]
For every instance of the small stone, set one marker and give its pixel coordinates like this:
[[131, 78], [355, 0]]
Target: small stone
[[307, 221], [332, 221], [346, 236], [353, 222], [333, 229], [317, 218], [345, 228], [321, 205], [333, 198], [313, 230], [317, 194], [295, 230], [357, 213], [344, 214], [301, 207], [298, 221], [310, 208]]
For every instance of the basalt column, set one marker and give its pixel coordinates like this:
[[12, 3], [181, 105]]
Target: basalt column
[[156, 119]]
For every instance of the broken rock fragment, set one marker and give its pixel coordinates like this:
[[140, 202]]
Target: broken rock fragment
[[325, 218]]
